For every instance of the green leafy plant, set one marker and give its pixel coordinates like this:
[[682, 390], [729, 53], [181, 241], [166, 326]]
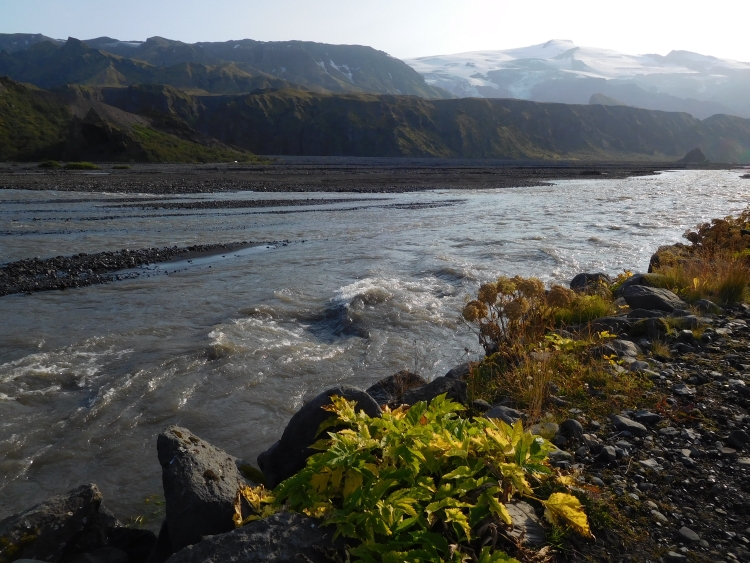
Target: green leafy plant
[[419, 484]]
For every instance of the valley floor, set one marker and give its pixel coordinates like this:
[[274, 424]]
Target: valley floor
[[287, 174]]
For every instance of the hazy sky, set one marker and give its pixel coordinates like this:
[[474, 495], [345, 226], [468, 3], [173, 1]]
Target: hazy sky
[[403, 28]]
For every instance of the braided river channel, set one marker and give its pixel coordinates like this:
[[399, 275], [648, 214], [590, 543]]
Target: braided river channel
[[231, 345]]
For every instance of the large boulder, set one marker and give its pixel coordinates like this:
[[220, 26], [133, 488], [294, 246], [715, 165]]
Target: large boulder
[[288, 456], [200, 485], [652, 298], [57, 528], [281, 538], [390, 391], [590, 282], [454, 389], [635, 279]]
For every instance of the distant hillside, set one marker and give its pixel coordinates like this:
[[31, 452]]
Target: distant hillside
[[217, 68], [297, 122], [160, 123], [74, 124], [560, 71]]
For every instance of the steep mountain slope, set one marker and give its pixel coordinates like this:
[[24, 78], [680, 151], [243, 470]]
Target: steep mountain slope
[[560, 71], [75, 124], [297, 122], [217, 68], [13, 42]]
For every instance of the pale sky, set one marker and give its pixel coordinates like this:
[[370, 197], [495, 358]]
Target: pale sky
[[403, 28]]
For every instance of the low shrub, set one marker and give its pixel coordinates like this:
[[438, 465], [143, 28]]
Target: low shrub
[[121, 167], [583, 309], [420, 484], [720, 277], [81, 166]]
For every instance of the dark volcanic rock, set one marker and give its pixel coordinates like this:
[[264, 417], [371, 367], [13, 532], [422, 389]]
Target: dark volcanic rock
[[53, 529], [200, 485], [613, 325], [453, 388], [461, 371], [281, 538], [389, 391], [287, 456], [644, 297], [571, 429], [623, 424], [507, 414], [585, 282]]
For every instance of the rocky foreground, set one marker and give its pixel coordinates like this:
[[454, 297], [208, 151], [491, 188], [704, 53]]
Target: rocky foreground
[[672, 482]]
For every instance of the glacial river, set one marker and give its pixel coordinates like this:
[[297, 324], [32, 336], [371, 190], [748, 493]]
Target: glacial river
[[231, 347]]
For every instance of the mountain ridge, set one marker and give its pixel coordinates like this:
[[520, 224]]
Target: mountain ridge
[[561, 71], [216, 68]]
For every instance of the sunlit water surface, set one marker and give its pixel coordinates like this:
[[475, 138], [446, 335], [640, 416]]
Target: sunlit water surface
[[89, 377]]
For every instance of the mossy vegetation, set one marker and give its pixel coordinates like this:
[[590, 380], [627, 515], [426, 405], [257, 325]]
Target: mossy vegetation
[[81, 166], [51, 164], [163, 147], [33, 126]]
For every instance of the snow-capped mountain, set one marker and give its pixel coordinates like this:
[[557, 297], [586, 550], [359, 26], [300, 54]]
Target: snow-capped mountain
[[560, 71]]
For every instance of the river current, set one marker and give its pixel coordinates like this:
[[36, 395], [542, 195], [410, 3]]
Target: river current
[[232, 346]]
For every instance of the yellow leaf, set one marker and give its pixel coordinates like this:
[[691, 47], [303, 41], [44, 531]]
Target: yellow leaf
[[499, 509], [565, 509], [455, 515], [319, 481], [566, 480], [352, 483], [237, 516]]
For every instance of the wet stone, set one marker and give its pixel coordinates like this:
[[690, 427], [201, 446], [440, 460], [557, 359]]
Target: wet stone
[[687, 535]]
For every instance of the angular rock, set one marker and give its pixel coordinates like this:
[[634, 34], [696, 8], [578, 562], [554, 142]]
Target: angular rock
[[638, 366], [136, 543], [646, 314], [287, 456], [200, 485], [646, 417], [50, 530], [613, 325], [586, 282], [571, 429], [623, 348], [608, 454], [526, 524], [481, 405], [506, 414], [624, 424], [635, 279], [650, 464], [738, 439], [454, 389], [281, 538], [683, 390], [644, 297], [461, 371], [390, 391]]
